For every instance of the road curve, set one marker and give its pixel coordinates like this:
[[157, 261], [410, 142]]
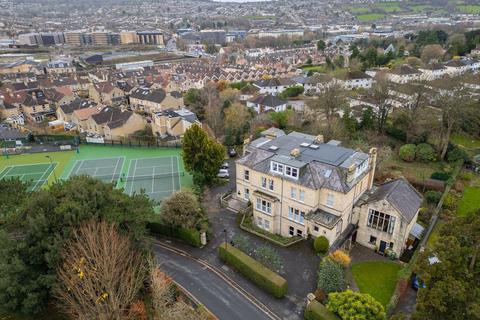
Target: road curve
[[214, 290]]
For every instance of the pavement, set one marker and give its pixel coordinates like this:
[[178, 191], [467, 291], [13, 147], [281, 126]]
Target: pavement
[[213, 291], [300, 264]]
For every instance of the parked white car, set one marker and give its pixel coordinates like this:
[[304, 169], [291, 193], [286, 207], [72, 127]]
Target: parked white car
[[223, 173]]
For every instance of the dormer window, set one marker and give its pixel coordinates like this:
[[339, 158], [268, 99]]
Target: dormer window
[[361, 168], [276, 167], [291, 172]]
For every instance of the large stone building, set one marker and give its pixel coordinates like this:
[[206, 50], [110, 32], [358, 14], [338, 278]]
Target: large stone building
[[300, 185]]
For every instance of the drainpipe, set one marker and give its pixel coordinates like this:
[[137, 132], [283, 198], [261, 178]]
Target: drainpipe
[[281, 207]]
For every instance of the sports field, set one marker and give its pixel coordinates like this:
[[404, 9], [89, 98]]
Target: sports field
[[156, 171]]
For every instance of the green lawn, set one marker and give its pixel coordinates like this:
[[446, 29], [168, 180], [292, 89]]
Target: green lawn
[[314, 68], [420, 8], [470, 201], [466, 141], [417, 170], [377, 278], [472, 9], [370, 17], [389, 7]]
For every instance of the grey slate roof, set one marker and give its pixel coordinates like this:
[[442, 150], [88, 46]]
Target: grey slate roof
[[401, 195], [268, 100], [7, 133], [323, 166]]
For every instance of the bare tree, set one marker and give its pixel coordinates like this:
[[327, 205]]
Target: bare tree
[[329, 102], [101, 273], [380, 93], [213, 108], [455, 103]]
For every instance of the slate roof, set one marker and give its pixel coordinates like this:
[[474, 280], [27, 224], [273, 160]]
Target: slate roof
[[405, 69], [321, 165], [77, 104], [401, 195], [7, 133], [268, 100], [274, 82], [112, 117], [156, 96]]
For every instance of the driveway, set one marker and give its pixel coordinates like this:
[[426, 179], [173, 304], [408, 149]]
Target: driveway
[[299, 263], [213, 291]]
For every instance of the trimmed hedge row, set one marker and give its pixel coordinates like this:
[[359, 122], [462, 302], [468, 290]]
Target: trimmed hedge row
[[265, 278], [317, 311], [189, 236]]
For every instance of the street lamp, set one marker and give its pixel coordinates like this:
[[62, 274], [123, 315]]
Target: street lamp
[[51, 162]]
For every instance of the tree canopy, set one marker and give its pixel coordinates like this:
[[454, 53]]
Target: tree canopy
[[34, 235]]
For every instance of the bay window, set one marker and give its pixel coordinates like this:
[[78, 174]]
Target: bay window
[[381, 221], [264, 206]]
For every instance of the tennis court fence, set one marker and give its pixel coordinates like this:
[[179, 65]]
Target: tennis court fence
[[114, 177], [133, 143]]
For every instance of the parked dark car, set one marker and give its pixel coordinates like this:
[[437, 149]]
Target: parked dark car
[[231, 152]]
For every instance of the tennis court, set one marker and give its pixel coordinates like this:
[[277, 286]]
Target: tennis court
[[106, 169], [36, 175], [158, 177]]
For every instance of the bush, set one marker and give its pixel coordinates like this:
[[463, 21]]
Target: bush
[[188, 236], [317, 311], [466, 176], [331, 276], [407, 152], [354, 305], [321, 245], [425, 153], [242, 243], [265, 278], [457, 154], [444, 176], [341, 257], [433, 196], [450, 202], [269, 257]]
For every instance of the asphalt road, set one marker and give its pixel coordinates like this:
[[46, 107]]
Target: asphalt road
[[216, 294]]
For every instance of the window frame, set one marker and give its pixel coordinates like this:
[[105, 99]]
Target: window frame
[[246, 175]]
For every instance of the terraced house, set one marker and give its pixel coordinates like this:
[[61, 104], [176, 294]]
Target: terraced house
[[300, 185]]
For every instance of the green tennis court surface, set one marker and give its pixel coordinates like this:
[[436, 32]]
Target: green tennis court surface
[[36, 175], [157, 177], [106, 169]]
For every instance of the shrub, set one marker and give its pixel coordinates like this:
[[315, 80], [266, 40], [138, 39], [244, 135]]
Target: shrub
[[425, 153], [407, 152], [433, 196], [351, 305], [269, 257], [457, 154], [341, 257], [242, 243], [331, 276], [253, 270], [444, 176], [188, 236], [321, 245], [466, 176], [317, 311], [450, 202]]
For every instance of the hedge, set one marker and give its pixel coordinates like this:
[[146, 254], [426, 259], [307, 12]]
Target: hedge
[[189, 236], [321, 245], [317, 311], [265, 278]]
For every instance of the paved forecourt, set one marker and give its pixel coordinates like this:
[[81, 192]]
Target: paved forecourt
[[106, 169], [158, 177], [35, 175]]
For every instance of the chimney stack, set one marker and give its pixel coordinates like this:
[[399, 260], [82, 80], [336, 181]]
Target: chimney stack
[[295, 152], [319, 139]]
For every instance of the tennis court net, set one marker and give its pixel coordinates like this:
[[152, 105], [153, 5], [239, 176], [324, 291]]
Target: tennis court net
[[154, 176]]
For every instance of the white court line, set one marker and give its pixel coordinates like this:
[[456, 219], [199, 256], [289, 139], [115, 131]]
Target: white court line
[[153, 179], [178, 175], [54, 164], [115, 170], [173, 179], [134, 170], [73, 167], [29, 165], [6, 171]]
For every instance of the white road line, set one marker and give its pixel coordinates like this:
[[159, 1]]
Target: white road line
[[41, 177]]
